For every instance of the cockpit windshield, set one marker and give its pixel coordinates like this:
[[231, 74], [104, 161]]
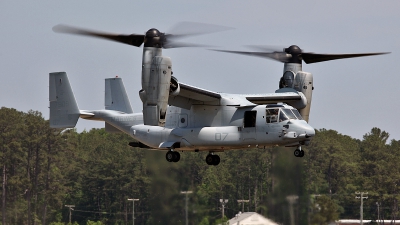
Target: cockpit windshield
[[289, 114], [283, 114], [297, 114]]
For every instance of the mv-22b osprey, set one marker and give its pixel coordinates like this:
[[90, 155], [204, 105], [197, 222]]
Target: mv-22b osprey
[[178, 117]]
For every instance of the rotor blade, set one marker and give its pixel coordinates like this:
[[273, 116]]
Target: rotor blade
[[177, 44], [266, 48], [278, 56], [184, 29], [130, 39], [310, 57]]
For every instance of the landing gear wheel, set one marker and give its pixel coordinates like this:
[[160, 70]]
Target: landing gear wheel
[[212, 159], [297, 153], [170, 156], [216, 160], [177, 157], [209, 159]]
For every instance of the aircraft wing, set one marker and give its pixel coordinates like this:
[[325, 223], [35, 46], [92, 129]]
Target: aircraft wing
[[190, 95], [269, 98], [285, 95]]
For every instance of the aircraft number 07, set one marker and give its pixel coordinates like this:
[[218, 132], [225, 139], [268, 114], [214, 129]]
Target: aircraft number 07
[[220, 136]]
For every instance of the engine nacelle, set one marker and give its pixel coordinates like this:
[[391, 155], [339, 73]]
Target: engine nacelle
[[287, 80], [156, 79], [303, 82], [174, 87]]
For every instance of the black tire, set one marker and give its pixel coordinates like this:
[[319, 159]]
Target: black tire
[[209, 159], [297, 153], [302, 153], [170, 156], [216, 160], [177, 157]]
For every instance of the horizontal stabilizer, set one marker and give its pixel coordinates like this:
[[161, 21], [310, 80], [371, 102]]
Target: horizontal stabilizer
[[64, 111]]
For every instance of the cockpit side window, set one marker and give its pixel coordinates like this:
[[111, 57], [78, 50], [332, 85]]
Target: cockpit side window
[[282, 117], [295, 112], [272, 115]]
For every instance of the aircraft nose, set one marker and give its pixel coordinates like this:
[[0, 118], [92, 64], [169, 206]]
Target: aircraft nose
[[310, 132]]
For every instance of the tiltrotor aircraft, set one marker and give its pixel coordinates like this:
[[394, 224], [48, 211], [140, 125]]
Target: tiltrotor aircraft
[[179, 117]]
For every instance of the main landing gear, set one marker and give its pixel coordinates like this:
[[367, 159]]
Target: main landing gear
[[212, 159], [298, 152], [172, 156]]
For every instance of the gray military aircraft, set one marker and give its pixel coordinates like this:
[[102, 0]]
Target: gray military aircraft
[[178, 117]]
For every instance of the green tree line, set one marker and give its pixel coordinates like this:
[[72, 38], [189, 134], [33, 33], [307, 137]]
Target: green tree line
[[44, 169]]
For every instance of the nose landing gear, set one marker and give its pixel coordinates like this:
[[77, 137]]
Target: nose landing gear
[[212, 159], [298, 152], [172, 156]]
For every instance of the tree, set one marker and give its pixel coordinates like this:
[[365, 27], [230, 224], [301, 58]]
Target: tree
[[325, 210], [381, 171], [11, 126], [332, 168]]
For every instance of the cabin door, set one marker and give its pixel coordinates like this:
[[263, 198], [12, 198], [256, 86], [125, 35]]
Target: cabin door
[[249, 125]]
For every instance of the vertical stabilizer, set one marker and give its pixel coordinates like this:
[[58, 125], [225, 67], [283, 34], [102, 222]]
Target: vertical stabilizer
[[115, 96], [64, 111]]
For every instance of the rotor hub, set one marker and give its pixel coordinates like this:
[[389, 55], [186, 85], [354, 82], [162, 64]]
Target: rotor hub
[[295, 53], [154, 38], [294, 49], [153, 33]]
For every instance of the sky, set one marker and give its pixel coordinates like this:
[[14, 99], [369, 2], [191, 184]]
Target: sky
[[351, 96]]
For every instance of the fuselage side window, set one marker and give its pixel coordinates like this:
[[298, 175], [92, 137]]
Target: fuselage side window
[[272, 115], [250, 119]]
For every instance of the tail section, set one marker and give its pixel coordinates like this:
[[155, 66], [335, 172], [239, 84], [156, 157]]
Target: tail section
[[115, 96], [116, 99], [64, 111]]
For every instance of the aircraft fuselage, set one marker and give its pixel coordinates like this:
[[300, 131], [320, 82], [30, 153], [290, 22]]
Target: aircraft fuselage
[[215, 128]]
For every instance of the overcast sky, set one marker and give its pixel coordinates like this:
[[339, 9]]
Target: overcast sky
[[351, 95]]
